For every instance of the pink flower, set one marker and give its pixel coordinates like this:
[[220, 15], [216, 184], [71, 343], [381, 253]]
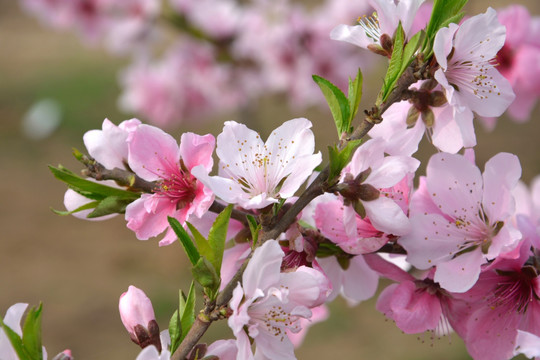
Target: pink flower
[[470, 81], [379, 175], [155, 156], [269, 303], [504, 300], [385, 20], [415, 305], [461, 219], [254, 174]]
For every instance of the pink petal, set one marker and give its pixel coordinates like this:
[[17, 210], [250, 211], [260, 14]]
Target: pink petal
[[152, 153], [385, 215], [501, 175], [264, 268], [461, 273], [197, 150], [455, 185]]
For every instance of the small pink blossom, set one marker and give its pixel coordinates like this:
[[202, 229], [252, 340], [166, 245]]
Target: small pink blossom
[[270, 303], [155, 156], [254, 174], [470, 81], [461, 219]]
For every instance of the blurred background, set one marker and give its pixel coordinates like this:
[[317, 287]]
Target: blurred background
[[78, 269]]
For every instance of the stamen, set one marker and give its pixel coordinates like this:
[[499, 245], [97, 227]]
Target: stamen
[[371, 26]]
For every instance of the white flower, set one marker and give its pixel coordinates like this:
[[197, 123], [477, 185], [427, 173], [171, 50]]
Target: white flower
[[254, 174]]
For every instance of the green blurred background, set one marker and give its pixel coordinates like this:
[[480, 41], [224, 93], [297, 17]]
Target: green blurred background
[[78, 269]]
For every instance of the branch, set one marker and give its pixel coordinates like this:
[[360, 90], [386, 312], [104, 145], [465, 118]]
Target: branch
[[122, 177]]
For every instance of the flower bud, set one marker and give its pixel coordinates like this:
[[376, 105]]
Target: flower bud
[[138, 317]]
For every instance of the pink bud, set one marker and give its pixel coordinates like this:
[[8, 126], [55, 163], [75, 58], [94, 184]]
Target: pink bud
[[138, 317]]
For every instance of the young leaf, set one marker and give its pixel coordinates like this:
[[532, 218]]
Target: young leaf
[[444, 12], [394, 69], [15, 341], [410, 50], [338, 103], [205, 274], [187, 311], [202, 244], [90, 205], [175, 330], [254, 227], [89, 188], [32, 333], [340, 159], [217, 237], [110, 205], [355, 95], [185, 240]]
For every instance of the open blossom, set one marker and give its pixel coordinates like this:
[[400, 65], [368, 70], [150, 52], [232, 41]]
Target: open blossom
[[254, 174], [460, 218], [503, 301], [270, 303], [155, 156], [467, 74], [384, 21]]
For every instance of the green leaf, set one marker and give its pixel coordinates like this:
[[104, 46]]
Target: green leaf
[[338, 103], [410, 50], [187, 311], [340, 159], [110, 205], [90, 205], [185, 240], [217, 237], [444, 12], [175, 330], [205, 274], [90, 189], [254, 227], [15, 341], [32, 333], [355, 95], [394, 69], [202, 244]]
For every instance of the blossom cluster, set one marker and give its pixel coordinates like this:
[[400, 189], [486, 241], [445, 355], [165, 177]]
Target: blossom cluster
[[242, 50], [472, 237]]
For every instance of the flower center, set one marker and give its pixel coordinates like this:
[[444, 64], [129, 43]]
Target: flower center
[[515, 290], [370, 24], [180, 187]]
